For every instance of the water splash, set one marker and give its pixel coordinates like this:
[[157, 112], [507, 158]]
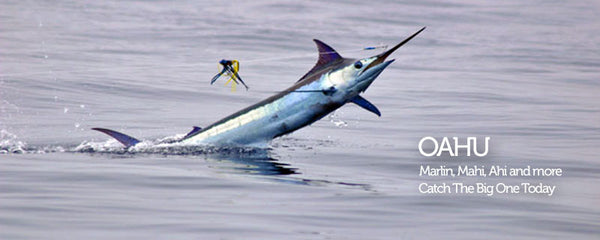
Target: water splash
[[10, 144], [245, 160], [335, 119], [158, 146]]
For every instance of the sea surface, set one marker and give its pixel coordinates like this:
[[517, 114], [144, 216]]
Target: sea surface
[[524, 73]]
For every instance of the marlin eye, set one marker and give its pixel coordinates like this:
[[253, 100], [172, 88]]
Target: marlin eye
[[358, 65]]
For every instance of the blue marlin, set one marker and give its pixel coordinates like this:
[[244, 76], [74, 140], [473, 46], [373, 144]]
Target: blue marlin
[[331, 83]]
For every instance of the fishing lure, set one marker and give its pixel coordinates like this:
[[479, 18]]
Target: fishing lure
[[231, 69], [375, 47]]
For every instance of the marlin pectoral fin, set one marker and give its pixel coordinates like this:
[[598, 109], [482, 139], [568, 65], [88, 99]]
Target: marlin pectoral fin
[[125, 139], [362, 102], [217, 76], [194, 131]]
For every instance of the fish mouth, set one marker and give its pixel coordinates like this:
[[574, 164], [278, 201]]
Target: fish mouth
[[380, 58], [373, 71]]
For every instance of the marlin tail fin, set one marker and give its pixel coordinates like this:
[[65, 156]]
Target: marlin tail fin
[[125, 139]]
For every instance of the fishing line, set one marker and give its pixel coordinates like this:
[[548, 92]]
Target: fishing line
[[324, 91], [258, 60]]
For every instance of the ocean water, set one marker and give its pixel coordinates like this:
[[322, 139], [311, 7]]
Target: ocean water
[[524, 73]]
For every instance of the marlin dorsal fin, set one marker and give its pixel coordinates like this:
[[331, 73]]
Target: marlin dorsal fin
[[326, 55]]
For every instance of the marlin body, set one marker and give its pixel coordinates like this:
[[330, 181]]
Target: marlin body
[[331, 83]]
